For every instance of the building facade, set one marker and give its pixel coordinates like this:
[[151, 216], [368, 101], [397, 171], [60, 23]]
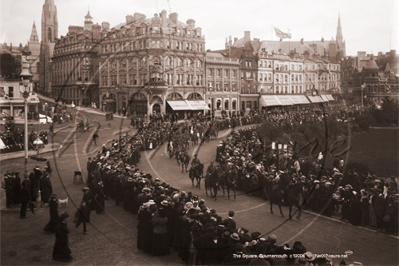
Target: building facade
[[74, 75], [223, 80], [147, 64]]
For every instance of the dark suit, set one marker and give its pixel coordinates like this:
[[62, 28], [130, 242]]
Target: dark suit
[[230, 224]]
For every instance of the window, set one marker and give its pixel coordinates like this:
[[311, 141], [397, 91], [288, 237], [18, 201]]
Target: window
[[122, 79], [292, 67], [286, 78], [113, 80], [199, 80], [199, 63], [248, 75], [218, 73], [250, 63], [226, 105], [234, 105], [113, 65], [167, 61], [226, 73], [300, 77], [123, 63], [133, 79], [187, 46], [179, 62], [167, 44], [143, 30], [260, 76], [210, 71], [157, 62], [144, 61], [234, 74], [11, 92], [49, 34], [189, 62], [300, 67], [226, 86]]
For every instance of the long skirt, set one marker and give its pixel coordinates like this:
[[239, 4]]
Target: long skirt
[[159, 245]]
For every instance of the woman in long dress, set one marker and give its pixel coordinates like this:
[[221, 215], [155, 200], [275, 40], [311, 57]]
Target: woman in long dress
[[61, 251]]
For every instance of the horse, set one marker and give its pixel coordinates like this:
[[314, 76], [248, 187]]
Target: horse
[[196, 172], [170, 150], [229, 179], [184, 160], [212, 182], [295, 196], [278, 192]]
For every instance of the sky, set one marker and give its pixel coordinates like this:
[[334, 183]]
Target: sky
[[367, 25]]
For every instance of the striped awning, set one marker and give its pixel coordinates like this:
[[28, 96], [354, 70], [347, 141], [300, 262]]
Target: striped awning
[[197, 105], [284, 100], [315, 99], [330, 97], [179, 105], [299, 99], [324, 98], [269, 100]]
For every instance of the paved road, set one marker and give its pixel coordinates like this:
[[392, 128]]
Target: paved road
[[111, 239]]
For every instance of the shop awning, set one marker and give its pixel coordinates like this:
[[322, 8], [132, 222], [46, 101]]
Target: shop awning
[[197, 105], [269, 100], [324, 98], [179, 105], [315, 99], [299, 99], [284, 100], [330, 97]]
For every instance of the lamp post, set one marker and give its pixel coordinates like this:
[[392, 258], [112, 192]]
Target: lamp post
[[210, 92], [26, 76]]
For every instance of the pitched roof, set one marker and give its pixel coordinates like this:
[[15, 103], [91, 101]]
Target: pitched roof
[[371, 64], [285, 46]]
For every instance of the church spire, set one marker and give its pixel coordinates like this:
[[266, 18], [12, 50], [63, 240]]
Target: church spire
[[340, 38], [49, 22], [34, 38]]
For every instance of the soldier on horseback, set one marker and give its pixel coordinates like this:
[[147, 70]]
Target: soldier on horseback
[[195, 162]]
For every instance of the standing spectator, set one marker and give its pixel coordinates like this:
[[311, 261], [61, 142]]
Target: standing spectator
[[95, 137], [144, 227], [54, 216], [99, 197], [159, 220], [25, 198], [45, 188], [61, 251], [51, 129], [8, 185], [229, 223]]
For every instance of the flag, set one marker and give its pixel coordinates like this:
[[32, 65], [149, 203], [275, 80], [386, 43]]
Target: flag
[[281, 34]]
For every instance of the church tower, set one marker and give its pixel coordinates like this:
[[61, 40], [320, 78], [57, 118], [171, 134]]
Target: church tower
[[49, 22], [49, 35], [340, 39], [33, 44]]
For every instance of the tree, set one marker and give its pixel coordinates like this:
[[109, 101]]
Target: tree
[[389, 110]]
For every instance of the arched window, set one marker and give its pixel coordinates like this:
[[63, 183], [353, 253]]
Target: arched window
[[144, 61], [167, 61], [189, 62], [179, 62], [49, 35], [174, 96], [139, 97], [194, 97], [199, 63]]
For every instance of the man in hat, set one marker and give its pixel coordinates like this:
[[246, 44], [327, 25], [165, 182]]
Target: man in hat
[[195, 162], [25, 197], [229, 223]]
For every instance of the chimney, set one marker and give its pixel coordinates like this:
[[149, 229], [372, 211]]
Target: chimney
[[173, 17], [191, 23], [129, 19], [247, 35], [10, 47], [302, 41], [138, 16], [322, 39], [235, 39], [230, 42], [163, 18], [105, 26]]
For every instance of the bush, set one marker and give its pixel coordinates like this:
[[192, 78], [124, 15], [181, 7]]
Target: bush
[[364, 125]]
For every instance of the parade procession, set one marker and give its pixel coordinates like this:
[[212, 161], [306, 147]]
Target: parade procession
[[151, 139]]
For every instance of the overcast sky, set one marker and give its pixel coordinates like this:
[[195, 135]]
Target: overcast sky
[[367, 25]]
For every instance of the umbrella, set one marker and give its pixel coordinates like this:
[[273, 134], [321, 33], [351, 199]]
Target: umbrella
[[31, 207]]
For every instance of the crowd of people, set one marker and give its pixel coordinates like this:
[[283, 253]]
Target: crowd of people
[[169, 218]]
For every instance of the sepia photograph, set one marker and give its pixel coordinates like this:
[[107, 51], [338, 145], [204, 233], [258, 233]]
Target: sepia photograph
[[188, 132]]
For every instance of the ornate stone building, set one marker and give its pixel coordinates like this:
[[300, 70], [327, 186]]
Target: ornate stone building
[[152, 65], [74, 75], [223, 79]]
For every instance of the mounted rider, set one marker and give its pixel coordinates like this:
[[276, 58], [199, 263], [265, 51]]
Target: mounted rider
[[211, 169], [195, 162]]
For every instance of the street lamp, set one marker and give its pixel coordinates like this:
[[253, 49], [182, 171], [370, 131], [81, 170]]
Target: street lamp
[[26, 77]]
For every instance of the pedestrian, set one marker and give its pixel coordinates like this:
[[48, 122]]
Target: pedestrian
[[51, 129], [25, 198], [82, 216], [54, 216], [95, 137], [45, 188], [61, 251]]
